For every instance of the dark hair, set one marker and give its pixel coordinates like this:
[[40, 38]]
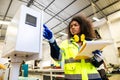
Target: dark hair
[[86, 27]]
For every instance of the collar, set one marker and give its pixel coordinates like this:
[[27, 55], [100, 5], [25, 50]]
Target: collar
[[72, 41]]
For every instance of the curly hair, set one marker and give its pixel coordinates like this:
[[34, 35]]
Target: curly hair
[[86, 27]]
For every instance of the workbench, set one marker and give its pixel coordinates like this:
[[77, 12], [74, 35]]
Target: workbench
[[51, 73]]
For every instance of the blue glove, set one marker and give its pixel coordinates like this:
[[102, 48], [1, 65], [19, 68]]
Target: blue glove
[[97, 59], [97, 52], [97, 55], [47, 34]]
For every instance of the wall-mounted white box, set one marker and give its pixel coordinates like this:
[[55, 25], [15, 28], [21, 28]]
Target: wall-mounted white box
[[24, 35]]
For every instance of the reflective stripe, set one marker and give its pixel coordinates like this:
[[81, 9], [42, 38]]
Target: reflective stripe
[[94, 76], [79, 76], [71, 60], [87, 60], [73, 76]]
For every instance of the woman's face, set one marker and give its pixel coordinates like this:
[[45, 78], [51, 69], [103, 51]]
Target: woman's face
[[74, 28]]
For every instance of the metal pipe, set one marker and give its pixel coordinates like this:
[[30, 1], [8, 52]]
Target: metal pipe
[[49, 11], [7, 9], [49, 5]]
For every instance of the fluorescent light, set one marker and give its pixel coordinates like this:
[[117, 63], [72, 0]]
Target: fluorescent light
[[96, 19], [4, 22], [63, 33]]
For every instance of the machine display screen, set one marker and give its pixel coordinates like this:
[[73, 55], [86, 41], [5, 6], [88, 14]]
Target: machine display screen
[[31, 20]]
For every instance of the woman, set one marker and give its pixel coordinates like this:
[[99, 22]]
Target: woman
[[81, 69]]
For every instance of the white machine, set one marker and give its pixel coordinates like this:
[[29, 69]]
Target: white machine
[[23, 38]]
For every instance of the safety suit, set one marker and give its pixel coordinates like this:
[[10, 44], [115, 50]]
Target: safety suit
[[74, 69]]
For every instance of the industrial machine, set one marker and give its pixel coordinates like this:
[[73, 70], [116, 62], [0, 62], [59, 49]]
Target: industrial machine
[[23, 39]]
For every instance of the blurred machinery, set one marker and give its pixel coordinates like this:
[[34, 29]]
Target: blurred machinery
[[116, 69]]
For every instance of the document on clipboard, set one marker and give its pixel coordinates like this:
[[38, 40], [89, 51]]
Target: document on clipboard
[[89, 46]]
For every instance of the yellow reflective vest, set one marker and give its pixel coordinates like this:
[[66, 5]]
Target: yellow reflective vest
[[76, 69]]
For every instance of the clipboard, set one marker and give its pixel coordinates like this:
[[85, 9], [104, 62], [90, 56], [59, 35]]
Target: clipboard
[[89, 46]]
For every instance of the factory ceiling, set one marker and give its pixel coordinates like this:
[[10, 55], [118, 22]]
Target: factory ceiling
[[57, 13]]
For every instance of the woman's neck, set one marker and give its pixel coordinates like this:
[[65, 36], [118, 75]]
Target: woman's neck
[[79, 43]]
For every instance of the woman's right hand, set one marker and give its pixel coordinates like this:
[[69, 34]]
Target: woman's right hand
[[47, 34]]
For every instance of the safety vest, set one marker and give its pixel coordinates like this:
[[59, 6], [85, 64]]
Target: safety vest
[[76, 69]]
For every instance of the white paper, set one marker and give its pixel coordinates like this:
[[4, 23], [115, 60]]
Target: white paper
[[91, 46]]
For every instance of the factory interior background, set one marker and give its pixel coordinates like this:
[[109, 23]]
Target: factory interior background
[[56, 14]]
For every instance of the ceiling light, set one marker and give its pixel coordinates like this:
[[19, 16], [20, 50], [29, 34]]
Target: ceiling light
[[96, 19], [4, 22], [63, 33]]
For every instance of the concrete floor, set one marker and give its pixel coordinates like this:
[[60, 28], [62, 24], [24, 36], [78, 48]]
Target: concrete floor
[[115, 77]]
